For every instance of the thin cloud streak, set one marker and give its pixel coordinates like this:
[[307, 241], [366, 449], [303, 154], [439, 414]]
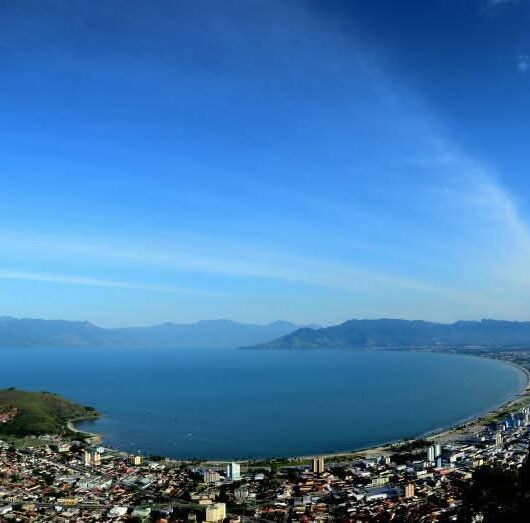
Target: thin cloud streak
[[480, 192], [93, 282], [483, 203], [491, 5], [523, 63], [246, 264]]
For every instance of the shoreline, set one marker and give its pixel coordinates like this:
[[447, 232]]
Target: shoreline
[[92, 437], [435, 435], [441, 434], [522, 397]]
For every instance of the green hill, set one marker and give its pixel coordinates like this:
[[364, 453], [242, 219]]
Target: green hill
[[35, 413]]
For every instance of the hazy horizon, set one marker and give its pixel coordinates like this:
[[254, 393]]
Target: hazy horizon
[[307, 161], [314, 325]]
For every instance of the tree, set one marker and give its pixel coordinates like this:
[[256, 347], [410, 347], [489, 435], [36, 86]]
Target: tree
[[499, 494]]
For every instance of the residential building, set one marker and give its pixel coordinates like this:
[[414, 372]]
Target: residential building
[[233, 471], [409, 490], [211, 476], [215, 512], [318, 465], [91, 457]]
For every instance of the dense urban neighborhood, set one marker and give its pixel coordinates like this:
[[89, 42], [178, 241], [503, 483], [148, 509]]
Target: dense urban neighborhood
[[63, 480]]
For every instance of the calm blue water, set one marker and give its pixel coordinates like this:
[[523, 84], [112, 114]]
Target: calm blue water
[[237, 404]]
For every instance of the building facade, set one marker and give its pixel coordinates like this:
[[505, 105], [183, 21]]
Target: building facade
[[233, 471], [215, 512], [318, 465]]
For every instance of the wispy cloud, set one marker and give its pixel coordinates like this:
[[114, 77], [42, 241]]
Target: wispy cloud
[[491, 214], [523, 62], [471, 199], [492, 4], [92, 282], [246, 262], [484, 205]]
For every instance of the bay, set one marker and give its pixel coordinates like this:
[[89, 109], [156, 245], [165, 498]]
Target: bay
[[222, 404]]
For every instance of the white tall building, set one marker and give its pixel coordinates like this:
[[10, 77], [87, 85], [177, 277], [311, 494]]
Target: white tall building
[[91, 457], [434, 452], [215, 512], [430, 454], [498, 439], [233, 471], [318, 465]]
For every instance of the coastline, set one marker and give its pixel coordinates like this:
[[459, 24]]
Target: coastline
[[91, 437], [519, 401], [441, 435]]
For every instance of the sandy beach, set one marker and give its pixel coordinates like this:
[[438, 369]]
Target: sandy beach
[[92, 437]]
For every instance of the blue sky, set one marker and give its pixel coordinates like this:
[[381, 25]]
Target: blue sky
[[260, 160]]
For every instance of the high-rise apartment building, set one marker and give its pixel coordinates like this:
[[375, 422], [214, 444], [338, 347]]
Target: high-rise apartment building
[[215, 512], [430, 454], [91, 457], [318, 465], [211, 476], [434, 453], [233, 471]]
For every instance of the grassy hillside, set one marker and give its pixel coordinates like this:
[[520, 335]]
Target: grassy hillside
[[38, 413]]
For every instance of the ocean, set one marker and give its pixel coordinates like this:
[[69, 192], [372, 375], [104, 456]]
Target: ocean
[[224, 404]]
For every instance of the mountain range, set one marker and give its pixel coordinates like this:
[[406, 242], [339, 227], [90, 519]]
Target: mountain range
[[352, 334], [390, 333], [27, 332]]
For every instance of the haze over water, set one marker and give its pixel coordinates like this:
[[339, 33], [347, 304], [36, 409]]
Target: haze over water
[[236, 404]]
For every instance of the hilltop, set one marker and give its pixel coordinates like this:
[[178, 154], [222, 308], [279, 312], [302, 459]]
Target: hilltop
[[391, 333], [25, 413], [29, 332]]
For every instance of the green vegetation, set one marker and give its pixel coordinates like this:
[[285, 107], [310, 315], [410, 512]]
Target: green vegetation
[[410, 445], [37, 413], [409, 450], [499, 415], [498, 494]]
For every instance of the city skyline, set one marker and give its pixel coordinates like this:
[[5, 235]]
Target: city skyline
[[311, 162]]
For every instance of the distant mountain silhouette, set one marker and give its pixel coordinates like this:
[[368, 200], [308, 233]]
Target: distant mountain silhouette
[[204, 334], [389, 333]]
